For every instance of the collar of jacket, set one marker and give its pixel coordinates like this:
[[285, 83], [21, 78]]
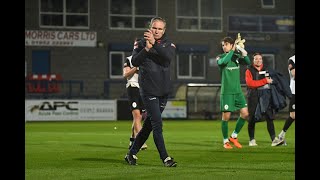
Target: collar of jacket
[[164, 37]]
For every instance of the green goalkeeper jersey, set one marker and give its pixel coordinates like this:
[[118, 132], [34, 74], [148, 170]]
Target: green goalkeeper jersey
[[229, 66]]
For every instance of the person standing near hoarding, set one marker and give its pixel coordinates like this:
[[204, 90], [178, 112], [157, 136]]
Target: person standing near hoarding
[[259, 93], [135, 102], [232, 98], [292, 103], [153, 55]]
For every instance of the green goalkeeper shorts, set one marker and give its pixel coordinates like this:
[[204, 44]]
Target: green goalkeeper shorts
[[232, 102]]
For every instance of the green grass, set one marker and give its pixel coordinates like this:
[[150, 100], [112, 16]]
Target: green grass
[[95, 150]]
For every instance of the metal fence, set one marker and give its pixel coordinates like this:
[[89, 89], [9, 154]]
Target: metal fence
[[204, 102]]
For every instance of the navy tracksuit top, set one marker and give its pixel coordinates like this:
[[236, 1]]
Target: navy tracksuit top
[[154, 66]]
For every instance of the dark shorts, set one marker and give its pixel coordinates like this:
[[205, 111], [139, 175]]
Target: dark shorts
[[292, 104], [134, 99]]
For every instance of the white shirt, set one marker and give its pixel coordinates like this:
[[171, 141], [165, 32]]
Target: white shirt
[[292, 81], [133, 80]]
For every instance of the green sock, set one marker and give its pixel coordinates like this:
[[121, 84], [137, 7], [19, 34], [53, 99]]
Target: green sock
[[239, 125], [224, 127]]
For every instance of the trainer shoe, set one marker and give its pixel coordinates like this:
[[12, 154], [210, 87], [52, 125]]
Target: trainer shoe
[[144, 147], [235, 142], [227, 145], [169, 162], [284, 141], [277, 142], [253, 143], [131, 159]]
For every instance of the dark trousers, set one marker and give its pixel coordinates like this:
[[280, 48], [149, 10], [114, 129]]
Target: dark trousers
[[270, 127], [154, 107]]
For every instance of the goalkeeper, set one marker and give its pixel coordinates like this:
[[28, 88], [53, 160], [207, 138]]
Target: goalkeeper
[[232, 98]]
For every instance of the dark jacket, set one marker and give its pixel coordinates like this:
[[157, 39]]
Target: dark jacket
[[154, 66], [259, 99], [268, 101], [280, 90], [275, 97]]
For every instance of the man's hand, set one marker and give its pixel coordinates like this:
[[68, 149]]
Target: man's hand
[[242, 50], [149, 36], [148, 45]]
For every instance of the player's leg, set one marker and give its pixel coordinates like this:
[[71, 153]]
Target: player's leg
[[226, 102], [240, 103], [289, 120]]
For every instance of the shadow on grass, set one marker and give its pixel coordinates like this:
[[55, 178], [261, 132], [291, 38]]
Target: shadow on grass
[[215, 146], [240, 151], [103, 146], [208, 168], [191, 144], [237, 169], [115, 161], [101, 160]]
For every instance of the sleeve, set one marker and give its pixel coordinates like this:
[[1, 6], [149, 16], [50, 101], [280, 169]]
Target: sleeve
[[139, 54], [126, 63], [166, 51], [292, 64], [247, 60], [226, 59], [253, 84]]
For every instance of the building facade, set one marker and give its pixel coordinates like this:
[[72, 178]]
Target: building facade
[[87, 41]]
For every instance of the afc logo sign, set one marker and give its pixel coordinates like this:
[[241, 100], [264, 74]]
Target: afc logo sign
[[52, 106]]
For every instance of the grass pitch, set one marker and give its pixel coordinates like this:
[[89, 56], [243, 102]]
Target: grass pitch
[[96, 150]]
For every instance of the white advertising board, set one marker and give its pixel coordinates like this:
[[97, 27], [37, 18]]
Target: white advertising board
[[60, 38], [70, 110], [175, 109]]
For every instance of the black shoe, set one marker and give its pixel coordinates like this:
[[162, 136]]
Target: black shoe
[[131, 159], [169, 162]]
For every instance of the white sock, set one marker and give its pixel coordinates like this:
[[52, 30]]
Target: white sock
[[225, 141], [282, 134], [234, 135]]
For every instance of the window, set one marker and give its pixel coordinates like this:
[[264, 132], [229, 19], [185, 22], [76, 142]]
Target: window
[[267, 4], [116, 61], [131, 14], [199, 15], [261, 23], [268, 60], [64, 14], [191, 66], [244, 23]]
